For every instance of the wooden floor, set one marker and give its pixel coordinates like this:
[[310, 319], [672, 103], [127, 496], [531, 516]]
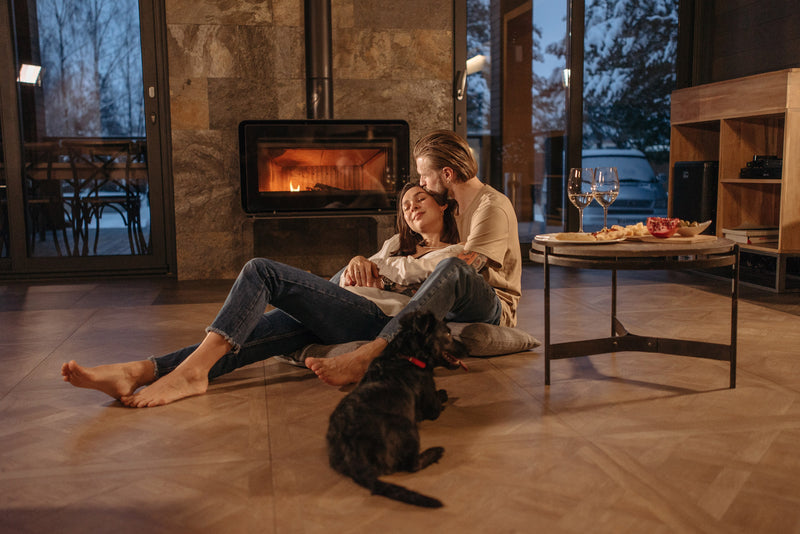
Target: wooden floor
[[629, 442]]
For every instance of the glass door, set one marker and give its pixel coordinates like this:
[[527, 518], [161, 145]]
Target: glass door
[[517, 91], [5, 238], [571, 83], [84, 179], [630, 51]]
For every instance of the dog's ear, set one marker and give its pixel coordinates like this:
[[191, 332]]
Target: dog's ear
[[418, 321], [425, 322]]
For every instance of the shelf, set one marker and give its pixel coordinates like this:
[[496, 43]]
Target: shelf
[[770, 250], [731, 122], [760, 181]]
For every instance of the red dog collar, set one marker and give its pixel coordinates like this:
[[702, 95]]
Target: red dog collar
[[418, 363]]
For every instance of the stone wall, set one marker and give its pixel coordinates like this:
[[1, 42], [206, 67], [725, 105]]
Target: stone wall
[[236, 60]]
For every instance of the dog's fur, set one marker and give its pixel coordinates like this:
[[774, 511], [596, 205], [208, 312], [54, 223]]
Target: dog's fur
[[373, 430]]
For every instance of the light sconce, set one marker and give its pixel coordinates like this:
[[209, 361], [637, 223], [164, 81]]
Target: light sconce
[[30, 74], [565, 78], [477, 64]]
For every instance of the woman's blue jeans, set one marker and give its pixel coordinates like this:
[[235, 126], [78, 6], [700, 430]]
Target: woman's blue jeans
[[312, 309]]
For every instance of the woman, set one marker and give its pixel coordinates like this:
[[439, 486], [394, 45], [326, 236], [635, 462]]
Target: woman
[[310, 309]]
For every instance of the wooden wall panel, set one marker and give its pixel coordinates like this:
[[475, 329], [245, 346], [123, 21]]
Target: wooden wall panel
[[743, 37]]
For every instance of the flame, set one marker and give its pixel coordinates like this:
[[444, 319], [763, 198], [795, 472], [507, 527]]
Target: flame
[[292, 188]]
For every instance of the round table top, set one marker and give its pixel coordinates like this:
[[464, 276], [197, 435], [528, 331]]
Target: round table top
[[629, 254], [653, 247]]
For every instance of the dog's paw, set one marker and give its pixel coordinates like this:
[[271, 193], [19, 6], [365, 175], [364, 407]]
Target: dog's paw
[[442, 395]]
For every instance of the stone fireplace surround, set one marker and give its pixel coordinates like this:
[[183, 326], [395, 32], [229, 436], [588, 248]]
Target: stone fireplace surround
[[230, 62]]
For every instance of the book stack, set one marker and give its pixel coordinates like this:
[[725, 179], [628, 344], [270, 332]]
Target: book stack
[[753, 235]]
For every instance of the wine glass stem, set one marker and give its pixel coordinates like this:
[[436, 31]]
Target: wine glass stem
[[605, 216], [581, 220]]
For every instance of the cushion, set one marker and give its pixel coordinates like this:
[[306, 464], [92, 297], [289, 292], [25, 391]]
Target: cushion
[[481, 339], [490, 340]]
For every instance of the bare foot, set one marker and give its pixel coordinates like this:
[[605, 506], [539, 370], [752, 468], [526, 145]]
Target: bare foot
[[179, 384], [116, 380], [190, 378], [346, 368]]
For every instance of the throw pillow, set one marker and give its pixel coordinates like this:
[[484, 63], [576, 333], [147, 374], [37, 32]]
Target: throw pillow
[[480, 338], [490, 340]]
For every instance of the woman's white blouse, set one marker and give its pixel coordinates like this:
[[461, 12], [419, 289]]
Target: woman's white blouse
[[403, 270]]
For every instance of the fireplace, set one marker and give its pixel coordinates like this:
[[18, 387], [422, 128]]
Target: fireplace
[[329, 166]]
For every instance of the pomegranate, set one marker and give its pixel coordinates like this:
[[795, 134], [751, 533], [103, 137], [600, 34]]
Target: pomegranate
[[662, 226]]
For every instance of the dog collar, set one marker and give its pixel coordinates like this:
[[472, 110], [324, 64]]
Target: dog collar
[[418, 363]]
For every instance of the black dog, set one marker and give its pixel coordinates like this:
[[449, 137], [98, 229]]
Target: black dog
[[373, 430]]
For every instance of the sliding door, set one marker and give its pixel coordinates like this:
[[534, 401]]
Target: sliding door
[[82, 130]]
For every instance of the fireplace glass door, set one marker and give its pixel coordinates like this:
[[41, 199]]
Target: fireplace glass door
[[306, 166]]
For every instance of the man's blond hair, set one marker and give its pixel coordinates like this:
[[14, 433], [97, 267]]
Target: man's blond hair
[[444, 148]]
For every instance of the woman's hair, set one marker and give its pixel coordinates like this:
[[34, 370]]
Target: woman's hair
[[409, 239], [445, 148]]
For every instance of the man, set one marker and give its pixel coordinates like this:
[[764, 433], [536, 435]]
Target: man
[[482, 285]]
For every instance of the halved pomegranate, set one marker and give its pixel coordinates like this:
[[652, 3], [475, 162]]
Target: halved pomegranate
[[662, 226]]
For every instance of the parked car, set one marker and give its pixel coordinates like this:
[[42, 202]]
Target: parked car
[[641, 193]]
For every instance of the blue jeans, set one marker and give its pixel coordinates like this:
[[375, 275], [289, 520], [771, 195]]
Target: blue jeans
[[315, 310], [454, 292], [311, 309]]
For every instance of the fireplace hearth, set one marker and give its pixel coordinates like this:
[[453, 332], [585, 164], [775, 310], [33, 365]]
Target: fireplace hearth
[[330, 166]]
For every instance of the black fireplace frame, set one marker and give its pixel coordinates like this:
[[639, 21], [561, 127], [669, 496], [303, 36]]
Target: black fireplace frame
[[323, 132]]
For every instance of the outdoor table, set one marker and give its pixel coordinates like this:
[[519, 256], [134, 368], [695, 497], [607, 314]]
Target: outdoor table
[[700, 252]]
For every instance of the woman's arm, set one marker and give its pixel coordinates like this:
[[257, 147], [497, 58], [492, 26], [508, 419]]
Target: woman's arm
[[410, 272], [362, 272], [365, 272]]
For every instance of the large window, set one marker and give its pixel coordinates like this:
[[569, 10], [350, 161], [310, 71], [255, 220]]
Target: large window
[[522, 67], [82, 129], [629, 71], [5, 242]]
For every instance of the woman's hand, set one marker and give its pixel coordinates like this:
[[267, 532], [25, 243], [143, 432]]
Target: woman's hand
[[362, 272]]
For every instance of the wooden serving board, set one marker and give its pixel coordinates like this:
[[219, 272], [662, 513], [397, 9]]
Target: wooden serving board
[[674, 239]]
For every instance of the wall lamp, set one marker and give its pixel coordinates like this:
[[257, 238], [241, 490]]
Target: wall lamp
[[30, 74]]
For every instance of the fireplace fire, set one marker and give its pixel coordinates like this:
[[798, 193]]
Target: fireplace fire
[[322, 165]]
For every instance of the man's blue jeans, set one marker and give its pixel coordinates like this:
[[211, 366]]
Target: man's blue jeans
[[312, 309], [454, 292]]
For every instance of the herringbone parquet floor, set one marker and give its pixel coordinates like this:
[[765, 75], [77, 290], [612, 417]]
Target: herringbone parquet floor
[[628, 442]]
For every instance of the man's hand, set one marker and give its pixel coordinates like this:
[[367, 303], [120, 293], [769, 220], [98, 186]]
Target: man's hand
[[362, 272], [478, 261]]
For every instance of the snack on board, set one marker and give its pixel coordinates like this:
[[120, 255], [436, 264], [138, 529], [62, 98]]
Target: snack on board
[[609, 234], [618, 232], [574, 236], [636, 230], [606, 234]]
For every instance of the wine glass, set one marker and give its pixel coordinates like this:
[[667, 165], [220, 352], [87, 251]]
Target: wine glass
[[606, 189], [580, 189]]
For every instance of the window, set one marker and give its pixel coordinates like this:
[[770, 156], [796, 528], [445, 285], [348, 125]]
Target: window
[[518, 90]]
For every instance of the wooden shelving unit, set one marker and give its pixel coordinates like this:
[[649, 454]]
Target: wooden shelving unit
[[730, 122]]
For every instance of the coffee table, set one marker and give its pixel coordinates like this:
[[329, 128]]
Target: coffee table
[[667, 254]]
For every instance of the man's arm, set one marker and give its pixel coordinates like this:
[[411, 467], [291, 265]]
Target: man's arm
[[407, 290], [476, 259]]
